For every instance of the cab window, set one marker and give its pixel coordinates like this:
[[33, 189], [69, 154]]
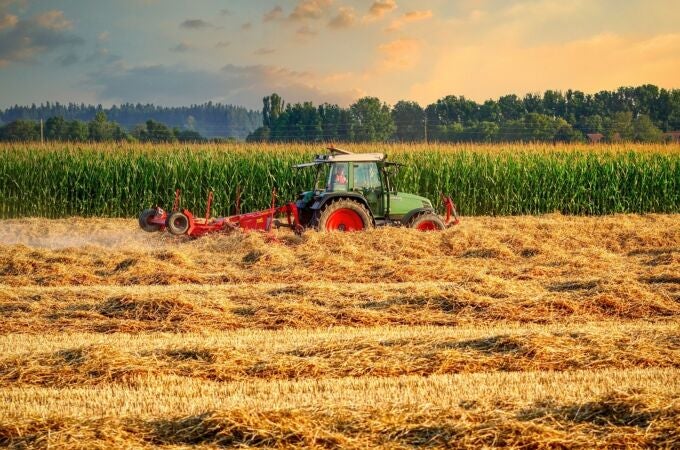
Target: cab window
[[337, 177], [366, 177]]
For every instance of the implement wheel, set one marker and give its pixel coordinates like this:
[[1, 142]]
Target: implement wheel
[[178, 223], [144, 219], [427, 222], [344, 215]]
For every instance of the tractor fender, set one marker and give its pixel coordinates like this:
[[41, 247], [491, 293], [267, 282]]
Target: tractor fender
[[319, 203], [414, 212]]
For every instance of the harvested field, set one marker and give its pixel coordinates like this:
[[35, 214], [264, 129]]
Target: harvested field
[[542, 331]]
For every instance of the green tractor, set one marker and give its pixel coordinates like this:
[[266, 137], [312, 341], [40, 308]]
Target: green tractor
[[355, 191]]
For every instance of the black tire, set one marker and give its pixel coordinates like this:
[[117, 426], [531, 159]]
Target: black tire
[[427, 222], [144, 221], [177, 223], [331, 209]]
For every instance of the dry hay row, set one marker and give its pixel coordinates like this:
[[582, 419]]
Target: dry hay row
[[623, 419], [555, 251], [304, 305], [381, 352]]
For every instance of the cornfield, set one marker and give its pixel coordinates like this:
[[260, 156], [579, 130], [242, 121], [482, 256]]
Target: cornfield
[[61, 180]]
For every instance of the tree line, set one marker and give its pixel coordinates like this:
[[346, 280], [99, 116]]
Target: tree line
[[640, 114], [208, 119], [99, 129]]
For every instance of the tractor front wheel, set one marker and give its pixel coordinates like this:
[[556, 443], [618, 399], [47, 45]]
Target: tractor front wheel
[[427, 222], [344, 215], [144, 221], [178, 223]]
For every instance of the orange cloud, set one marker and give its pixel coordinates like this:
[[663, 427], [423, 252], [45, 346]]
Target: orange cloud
[[53, 20], [310, 9], [345, 18], [381, 7], [400, 54], [8, 21], [411, 16]]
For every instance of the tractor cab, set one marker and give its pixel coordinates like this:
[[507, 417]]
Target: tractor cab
[[362, 184]]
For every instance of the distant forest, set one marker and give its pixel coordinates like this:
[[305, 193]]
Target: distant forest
[[210, 120], [644, 113]]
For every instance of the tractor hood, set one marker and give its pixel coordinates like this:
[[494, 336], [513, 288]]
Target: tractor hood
[[402, 203]]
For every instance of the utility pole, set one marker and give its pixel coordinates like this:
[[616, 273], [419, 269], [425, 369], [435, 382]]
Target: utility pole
[[425, 126], [41, 131]]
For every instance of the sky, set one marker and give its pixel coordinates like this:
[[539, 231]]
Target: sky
[[178, 52]]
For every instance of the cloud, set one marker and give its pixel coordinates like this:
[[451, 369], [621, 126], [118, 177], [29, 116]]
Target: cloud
[[195, 24], [182, 47], [411, 16], [264, 51], [244, 85], [273, 14], [43, 33], [400, 54], [345, 18], [381, 7], [305, 32], [310, 9], [223, 44], [246, 26], [225, 12], [103, 36], [8, 21]]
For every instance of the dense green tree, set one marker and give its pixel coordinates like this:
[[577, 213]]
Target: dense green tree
[[371, 120], [187, 135], [272, 107], [490, 111], [261, 134], [20, 130], [153, 131], [644, 130], [620, 126], [409, 120], [511, 107], [56, 129], [102, 130], [591, 124], [533, 103], [78, 131]]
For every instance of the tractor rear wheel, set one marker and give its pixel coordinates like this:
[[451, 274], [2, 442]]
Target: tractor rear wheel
[[344, 215], [178, 223], [144, 219], [427, 222]]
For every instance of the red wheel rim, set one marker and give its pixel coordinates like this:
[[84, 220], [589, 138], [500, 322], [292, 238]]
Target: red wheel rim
[[344, 220], [427, 225]]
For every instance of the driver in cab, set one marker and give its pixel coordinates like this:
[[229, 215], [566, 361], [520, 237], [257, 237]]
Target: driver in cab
[[340, 177]]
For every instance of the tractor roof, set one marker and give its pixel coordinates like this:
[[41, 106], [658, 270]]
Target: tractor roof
[[339, 155]]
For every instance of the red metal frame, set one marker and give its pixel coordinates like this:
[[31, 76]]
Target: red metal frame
[[259, 220], [450, 211]]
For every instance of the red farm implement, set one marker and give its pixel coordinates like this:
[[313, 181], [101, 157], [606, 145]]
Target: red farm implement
[[182, 221]]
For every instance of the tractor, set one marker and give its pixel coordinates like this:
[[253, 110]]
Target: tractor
[[351, 192]]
